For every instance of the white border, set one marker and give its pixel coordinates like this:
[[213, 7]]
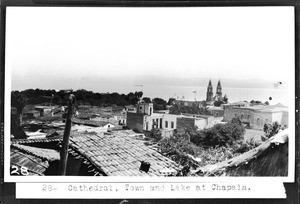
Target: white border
[[70, 179]]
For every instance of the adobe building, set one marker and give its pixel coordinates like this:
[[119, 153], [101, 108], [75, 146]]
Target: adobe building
[[256, 117], [146, 120]]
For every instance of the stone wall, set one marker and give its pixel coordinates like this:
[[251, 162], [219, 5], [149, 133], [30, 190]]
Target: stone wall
[[183, 123], [135, 121]]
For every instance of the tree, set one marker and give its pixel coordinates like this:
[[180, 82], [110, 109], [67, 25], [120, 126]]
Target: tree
[[159, 104], [218, 103], [253, 102], [267, 103], [271, 129], [146, 99], [156, 133], [171, 101], [18, 101], [194, 109], [219, 135]]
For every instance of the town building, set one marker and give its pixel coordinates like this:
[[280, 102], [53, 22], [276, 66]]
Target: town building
[[189, 103], [216, 111], [130, 108], [45, 110], [256, 117], [118, 153], [33, 114], [146, 120]]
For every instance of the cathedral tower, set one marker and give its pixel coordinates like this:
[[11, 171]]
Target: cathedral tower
[[209, 93], [219, 90]]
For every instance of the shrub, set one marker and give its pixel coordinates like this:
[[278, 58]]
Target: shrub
[[243, 147], [271, 130], [156, 133], [219, 135]]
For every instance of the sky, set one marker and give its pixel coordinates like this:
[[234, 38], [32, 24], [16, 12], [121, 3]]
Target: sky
[[60, 48]]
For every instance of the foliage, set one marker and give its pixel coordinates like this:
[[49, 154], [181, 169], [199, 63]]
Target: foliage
[[185, 153], [146, 99], [219, 135], [242, 147], [271, 129], [236, 120], [194, 109], [177, 149], [18, 101], [219, 103], [253, 102], [83, 97], [159, 104], [156, 133], [171, 101]]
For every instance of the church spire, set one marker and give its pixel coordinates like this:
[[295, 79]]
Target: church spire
[[209, 93], [219, 83], [209, 83], [219, 89]]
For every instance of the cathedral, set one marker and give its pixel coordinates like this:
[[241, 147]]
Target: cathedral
[[210, 98]]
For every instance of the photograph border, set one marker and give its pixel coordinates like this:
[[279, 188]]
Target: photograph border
[[154, 4]]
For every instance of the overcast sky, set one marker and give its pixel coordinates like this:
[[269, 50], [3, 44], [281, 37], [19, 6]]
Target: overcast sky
[[70, 47]]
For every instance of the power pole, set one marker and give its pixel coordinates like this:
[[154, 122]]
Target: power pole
[[65, 144]]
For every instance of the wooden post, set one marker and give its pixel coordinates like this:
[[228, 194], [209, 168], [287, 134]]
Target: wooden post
[[65, 145]]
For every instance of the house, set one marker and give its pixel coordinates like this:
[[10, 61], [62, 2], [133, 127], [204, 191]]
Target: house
[[131, 109], [236, 104], [256, 117], [200, 121], [94, 123], [118, 154], [33, 114], [146, 120], [41, 157], [188, 103], [31, 161], [216, 111], [45, 110]]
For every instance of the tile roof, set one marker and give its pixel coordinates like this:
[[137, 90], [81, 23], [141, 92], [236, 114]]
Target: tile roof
[[39, 140], [90, 122], [36, 166], [46, 154], [36, 160], [118, 154]]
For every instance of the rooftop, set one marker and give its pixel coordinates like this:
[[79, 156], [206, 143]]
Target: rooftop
[[36, 160], [119, 154], [262, 108], [90, 122]]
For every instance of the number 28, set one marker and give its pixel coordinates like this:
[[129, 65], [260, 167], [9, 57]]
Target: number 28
[[15, 170]]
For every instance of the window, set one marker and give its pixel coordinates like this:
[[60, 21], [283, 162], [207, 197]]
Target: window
[[166, 124], [172, 125], [160, 123], [141, 107], [217, 114]]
